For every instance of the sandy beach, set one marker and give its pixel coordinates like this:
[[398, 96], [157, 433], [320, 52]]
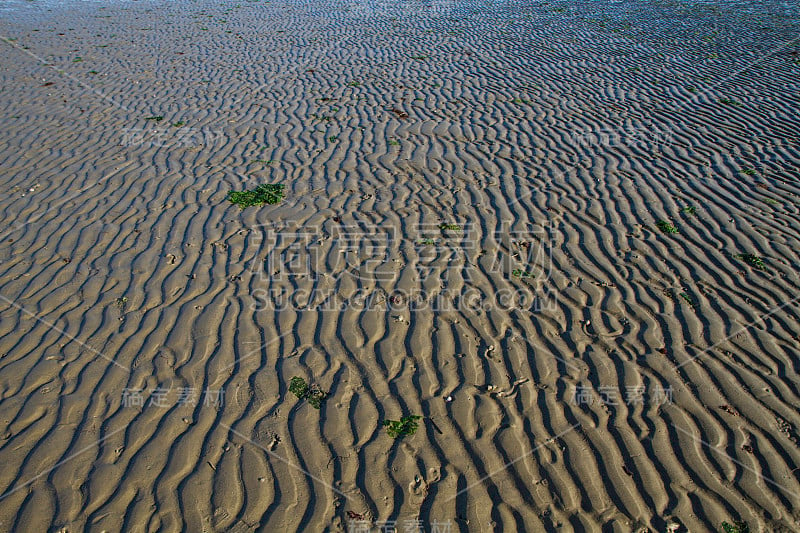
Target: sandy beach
[[497, 266]]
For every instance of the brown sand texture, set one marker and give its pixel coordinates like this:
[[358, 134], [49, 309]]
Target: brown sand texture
[[565, 234]]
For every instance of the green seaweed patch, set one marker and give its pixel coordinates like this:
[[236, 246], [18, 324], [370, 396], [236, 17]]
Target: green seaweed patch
[[728, 101], [771, 201], [517, 273], [749, 171], [452, 227], [157, 118], [752, 260], [269, 193], [407, 425], [736, 527], [689, 210], [313, 394], [688, 299], [298, 387], [316, 396], [666, 227]]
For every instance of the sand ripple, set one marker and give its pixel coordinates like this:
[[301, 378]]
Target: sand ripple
[[577, 368]]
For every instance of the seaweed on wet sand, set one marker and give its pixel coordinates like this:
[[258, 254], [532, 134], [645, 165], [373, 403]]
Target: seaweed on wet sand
[[752, 260], [312, 394], [666, 227], [407, 425], [269, 193]]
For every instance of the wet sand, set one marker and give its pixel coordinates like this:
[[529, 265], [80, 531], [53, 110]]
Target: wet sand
[[565, 234]]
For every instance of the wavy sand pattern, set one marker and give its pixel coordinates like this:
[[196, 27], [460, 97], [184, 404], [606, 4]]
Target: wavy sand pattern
[[578, 369]]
